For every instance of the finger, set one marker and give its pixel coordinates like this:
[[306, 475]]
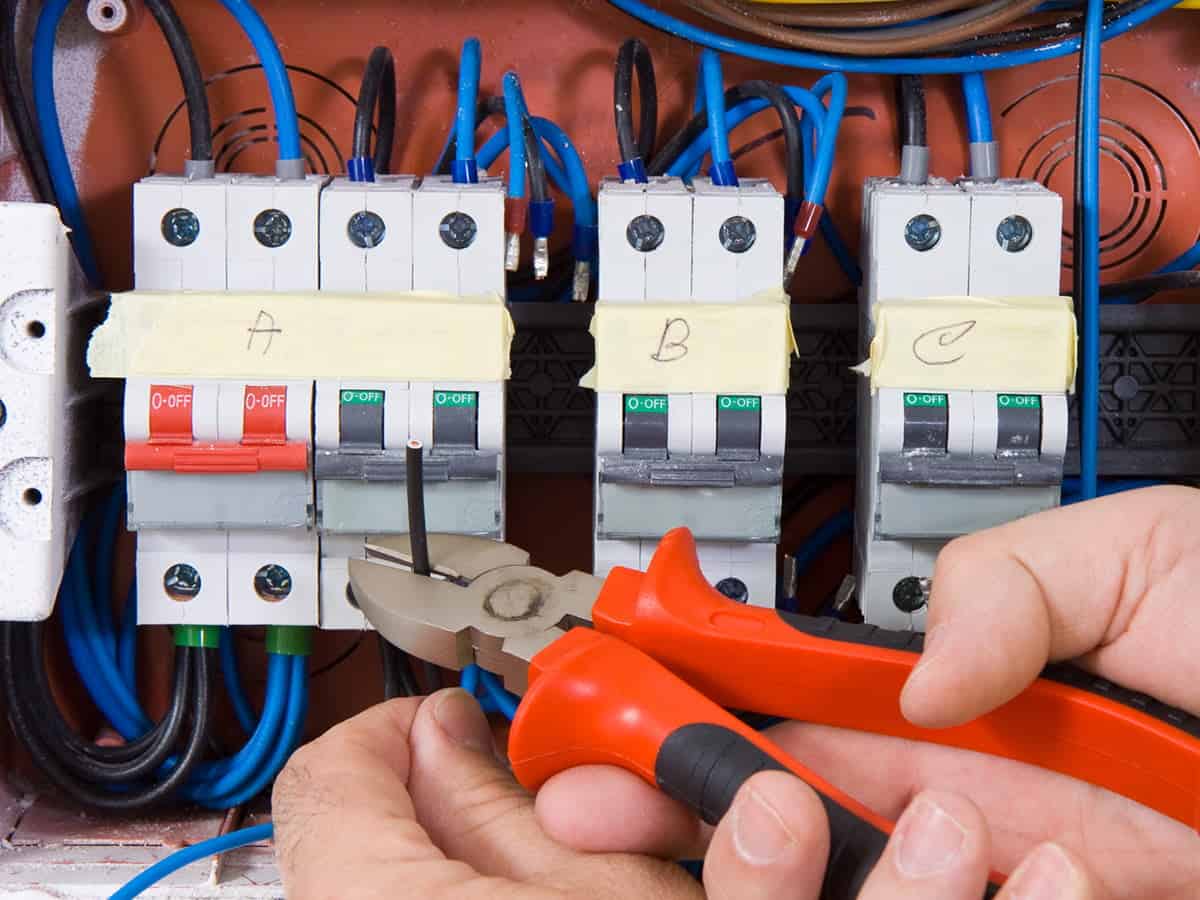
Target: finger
[[939, 851], [1097, 580], [1048, 872], [603, 809], [773, 842]]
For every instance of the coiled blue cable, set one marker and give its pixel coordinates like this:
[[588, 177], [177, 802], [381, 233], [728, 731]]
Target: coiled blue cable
[[722, 172], [1088, 251], [464, 168], [900, 65], [515, 113], [146, 879], [979, 109]]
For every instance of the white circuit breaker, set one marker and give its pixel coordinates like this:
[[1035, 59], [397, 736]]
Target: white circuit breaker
[[937, 461], [710, 461]]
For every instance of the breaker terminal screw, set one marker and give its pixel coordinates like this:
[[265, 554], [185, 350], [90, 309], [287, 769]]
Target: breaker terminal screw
[[181, 582], [734, 589], [1014, 234], [180, 227], [911, 594], [272, 228], [458, 230], [923, 232], [645, 233], [365, 230], [273, 583], [738, 234]]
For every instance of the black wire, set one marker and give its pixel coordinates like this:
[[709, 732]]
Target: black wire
[[910, 97], [634, 53], [176, 36], [378, 91], [1063, 28], [789, 121], [398, 680], [19, 115], [539, 186], [1149, 285]]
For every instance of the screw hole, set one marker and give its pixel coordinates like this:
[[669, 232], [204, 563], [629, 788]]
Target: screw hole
[[108, 12], [32, 497], [36, 329]]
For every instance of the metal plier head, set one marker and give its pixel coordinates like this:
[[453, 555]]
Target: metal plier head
[[483, 604]]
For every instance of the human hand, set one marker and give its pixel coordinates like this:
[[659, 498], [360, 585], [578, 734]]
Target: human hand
[[408, 800], [1111, 584]]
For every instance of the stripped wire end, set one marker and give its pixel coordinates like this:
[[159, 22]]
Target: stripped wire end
[[807, 221], [512, 251], [793, 261], [581, 288], [541, 257]]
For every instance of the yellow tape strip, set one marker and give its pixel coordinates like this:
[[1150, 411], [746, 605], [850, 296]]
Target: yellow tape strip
[[394, 337], [741, 347], [970, 343]]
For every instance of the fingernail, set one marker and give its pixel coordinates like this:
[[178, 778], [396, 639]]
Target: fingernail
[[929, 840], [1048, 874], [759, 833], [458, 714]]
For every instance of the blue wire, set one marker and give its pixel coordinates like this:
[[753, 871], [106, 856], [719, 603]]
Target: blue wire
[[1089, 251], [1188, 260], [950, 65], [506, 702], [287, 122], [127, 642], [580, 193], [114, 509], [464, 120], [188, 855], [714, 103], [470, 679], [57, 161], [498, 143], [979, 109], [514, 112], [836, 526], [231, 673]]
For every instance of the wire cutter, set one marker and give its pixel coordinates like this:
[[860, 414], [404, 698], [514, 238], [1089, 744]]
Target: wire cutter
[[648, 685]]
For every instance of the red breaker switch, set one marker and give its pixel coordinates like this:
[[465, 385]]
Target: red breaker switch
[[170, 414], [264, 415]]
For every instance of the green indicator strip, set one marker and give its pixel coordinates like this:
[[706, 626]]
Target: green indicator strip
[[1019, 401], [455, 398], [915, 399], [737, 401], [646, 403], [207, 636], [362, 398]]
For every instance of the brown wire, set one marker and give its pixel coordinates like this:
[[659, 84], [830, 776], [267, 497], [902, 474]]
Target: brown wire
[[856, 15], [920, 38]]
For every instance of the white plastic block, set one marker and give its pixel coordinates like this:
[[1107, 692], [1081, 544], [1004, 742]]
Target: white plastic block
[[609, 554], [774, 425], [420, 412], [1054, 424], [704, 424], [753, 564], [662, 273], [295, 550], [609, 422], [204, 551], [963, 424], [718, 274], [475, 269], [292, 265], [679, 424], [887, 408], [336, 611], [987, 423], [45, 456], [383, 266], [159, 264], [1034, 270]]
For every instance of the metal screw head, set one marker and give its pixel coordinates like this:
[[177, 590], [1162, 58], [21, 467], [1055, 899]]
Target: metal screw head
[[645, 233], [923, 232], [458, 230], [911, 594], [365, 230], [738, 234], [272, 228], [273, 583], [180, 227], [181, 582], [734, 589], [1014, 234]]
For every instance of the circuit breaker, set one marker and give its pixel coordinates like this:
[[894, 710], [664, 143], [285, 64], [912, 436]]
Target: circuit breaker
[[673, 453], [958, 280]]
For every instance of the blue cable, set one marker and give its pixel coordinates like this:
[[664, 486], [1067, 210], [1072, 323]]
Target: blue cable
[[188, 855], [713, 82], [1188, 260], [127, 641], [515, 113], [287, 122], [836, 526], [470, 679], [979, 109], [57, 161], [499, 142], [464, 167], [505, 702], [1088, 255], [948, 65], [232, 676]]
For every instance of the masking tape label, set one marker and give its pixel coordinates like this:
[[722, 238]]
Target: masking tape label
[[1022, 346], [414, 336], [734, 348]]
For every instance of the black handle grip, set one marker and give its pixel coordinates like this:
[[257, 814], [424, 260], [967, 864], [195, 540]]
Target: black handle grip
[[704, 765]]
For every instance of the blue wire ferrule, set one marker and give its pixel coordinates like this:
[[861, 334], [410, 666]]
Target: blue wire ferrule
[[633, 170], [360, 168], [722, 174], [464, 171], [585, 240], [541, 218]]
